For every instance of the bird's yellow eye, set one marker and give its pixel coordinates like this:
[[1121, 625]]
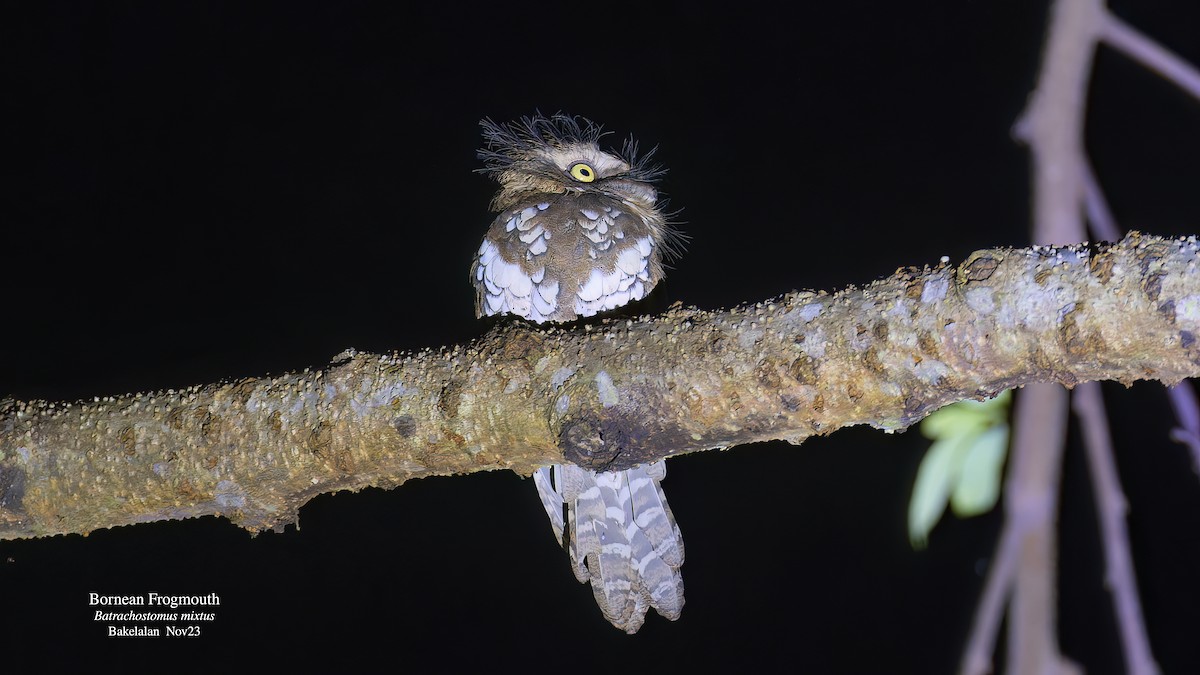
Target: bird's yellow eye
[[583, 173]]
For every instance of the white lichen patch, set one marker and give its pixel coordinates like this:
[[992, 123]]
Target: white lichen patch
[[1188, 309], [560, 377], [806, 313], [1070, 255], [934, 290], [516, 383], [930, 371], [562, 404], [1041, 306], [982, 300], [608, 392], [308, 400], [890, 389], [899, 311], [365, 401], [750, 336], [1009, 315], [229, 495], [814, 343]]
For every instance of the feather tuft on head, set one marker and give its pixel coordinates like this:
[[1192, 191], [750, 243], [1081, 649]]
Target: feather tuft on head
[[526, 144]]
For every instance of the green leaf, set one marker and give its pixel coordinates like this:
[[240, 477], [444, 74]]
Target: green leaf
[[935, 481], [957, 417], [978, 486], [963, 465], [952, 421]]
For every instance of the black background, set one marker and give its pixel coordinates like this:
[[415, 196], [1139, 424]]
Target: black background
[[199, 191]]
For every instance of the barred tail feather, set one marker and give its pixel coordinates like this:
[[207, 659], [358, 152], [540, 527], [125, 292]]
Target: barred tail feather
[[621, 536]]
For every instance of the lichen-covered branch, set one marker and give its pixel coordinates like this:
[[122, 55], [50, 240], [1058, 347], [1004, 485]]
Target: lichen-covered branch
[[613, 394]]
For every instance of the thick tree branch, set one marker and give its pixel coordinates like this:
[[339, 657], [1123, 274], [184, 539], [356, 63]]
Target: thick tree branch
[[612, 395]]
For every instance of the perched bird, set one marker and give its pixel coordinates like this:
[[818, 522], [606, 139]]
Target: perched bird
[[580, 231]]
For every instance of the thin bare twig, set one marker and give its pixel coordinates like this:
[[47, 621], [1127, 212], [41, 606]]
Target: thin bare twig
[[1101, 222], [1129, 41], [977, 660], [1031, 508], [1187, 411], [1111, 508]]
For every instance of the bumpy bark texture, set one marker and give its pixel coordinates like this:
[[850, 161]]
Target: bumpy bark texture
[[608, 395]]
